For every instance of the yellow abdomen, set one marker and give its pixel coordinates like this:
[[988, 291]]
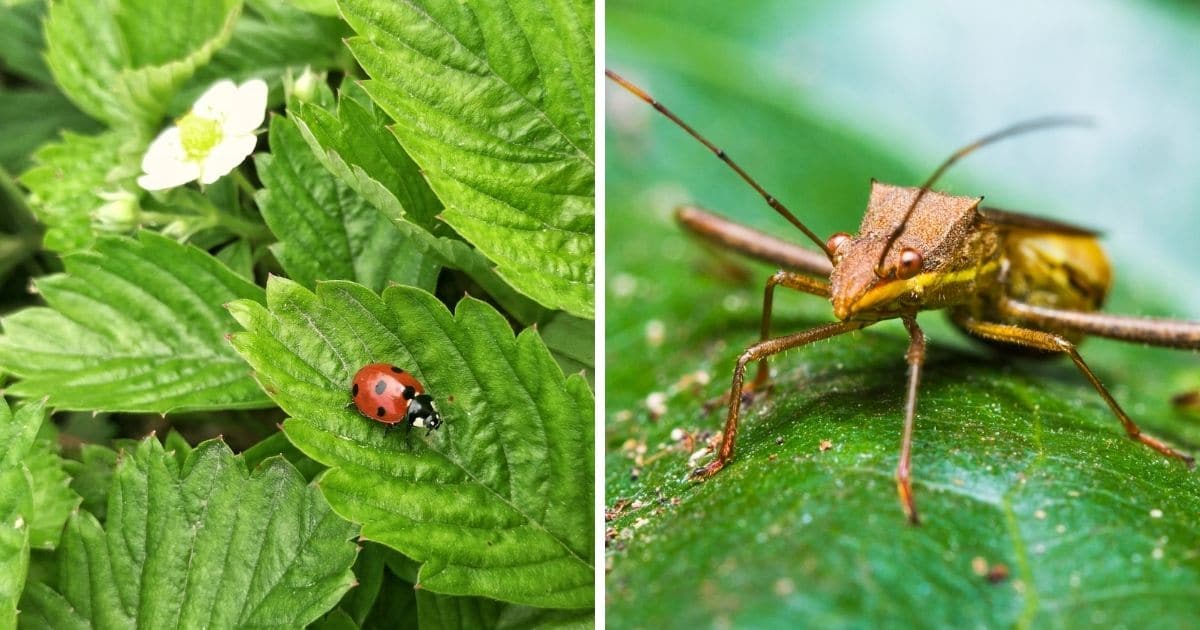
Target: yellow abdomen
[[1049, 269]]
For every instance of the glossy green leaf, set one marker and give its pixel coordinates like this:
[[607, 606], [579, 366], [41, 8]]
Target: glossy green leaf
[[122, 60], [203, 544], [1017, 462], [353, 143], [497, 502], [504, 133], [18, 434], [326, 230], [135, 325]]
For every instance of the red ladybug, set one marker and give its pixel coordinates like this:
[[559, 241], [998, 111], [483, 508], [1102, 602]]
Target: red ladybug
[[388, 394]]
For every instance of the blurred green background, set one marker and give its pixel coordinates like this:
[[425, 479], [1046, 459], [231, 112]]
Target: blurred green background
[[1017, 462]]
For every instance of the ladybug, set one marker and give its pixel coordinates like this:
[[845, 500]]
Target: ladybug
[[388, 394]]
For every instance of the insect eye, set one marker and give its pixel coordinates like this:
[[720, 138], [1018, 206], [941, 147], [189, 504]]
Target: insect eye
[[835, 243], [910, 263]]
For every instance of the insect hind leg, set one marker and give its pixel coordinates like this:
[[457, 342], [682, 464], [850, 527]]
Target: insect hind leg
[[1050, 342]]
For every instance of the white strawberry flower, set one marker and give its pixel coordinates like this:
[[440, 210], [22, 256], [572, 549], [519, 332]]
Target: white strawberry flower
[[210, 140]]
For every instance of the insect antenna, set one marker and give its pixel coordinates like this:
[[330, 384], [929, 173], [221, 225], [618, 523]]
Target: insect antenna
[[1035, 124], [724, 157]]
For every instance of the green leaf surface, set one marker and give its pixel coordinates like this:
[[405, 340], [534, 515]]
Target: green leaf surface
[[497, 502], [53, 498], [326, 230], [21, 41], [122, 60], [135, 325], [269, 39], [446, 612], [203, 544], [91, 476], [31, 117], [65, 183], [18, 434], [353, 144], [504, 132], [1017, 462]]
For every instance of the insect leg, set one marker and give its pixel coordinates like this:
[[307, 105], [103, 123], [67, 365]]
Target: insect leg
[[1053, 343], [790, 280], [754, 353], [915, 358]]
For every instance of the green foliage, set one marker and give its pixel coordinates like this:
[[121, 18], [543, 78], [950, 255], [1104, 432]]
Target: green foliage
[[327, 230], [202, 543], [122, 60], [353, 144], [270, 39], [1016, 462], [30, 117], [512, 104], [497, 502], [135, 325], [18, 438], [114, 320], [65, 183]]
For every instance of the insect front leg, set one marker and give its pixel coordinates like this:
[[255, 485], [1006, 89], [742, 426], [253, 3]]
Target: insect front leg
[[916, 359], [795, 281], [1053, 343], [754, 353]]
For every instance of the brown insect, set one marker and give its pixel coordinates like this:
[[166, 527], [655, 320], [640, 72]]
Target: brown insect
[[1013, 280]]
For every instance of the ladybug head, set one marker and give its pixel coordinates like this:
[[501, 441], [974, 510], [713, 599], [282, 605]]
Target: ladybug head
[[421, 413]]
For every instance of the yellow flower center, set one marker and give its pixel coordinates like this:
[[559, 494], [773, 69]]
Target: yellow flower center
[[198, 135]]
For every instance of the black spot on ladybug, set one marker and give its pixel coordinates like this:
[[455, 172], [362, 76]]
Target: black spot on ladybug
[[379, 412], [354, 390], [381, 387], [397, 370], [409, 392]]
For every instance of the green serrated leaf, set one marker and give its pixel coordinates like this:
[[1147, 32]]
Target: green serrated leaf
[[504, 134], [53, 498], [91, 476], [269, 39], [135, 325], [122, 60], [65, 183], [202, 544], [16, 503], [353, 145], [18, 434], [512, 459], [446, 612], [326, 230]]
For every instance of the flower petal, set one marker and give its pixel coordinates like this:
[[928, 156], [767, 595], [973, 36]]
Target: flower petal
[[247, 110], [226, 156], [167, 147], [216, 101], [169, 174]]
